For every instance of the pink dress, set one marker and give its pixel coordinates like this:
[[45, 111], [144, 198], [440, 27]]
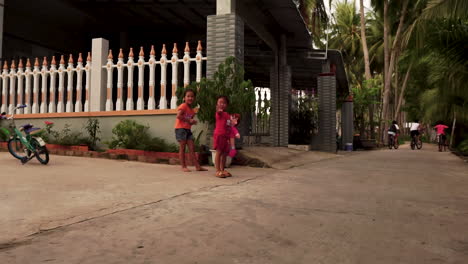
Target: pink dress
[[234, 132], [222, 132]]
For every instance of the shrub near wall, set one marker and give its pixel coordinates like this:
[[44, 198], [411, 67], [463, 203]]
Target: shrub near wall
[[131, 140]]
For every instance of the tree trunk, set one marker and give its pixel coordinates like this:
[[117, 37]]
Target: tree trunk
[[391, 65], [364, 43], [386, 62], [395, 88], [453, 128], [368, 73], [386, 48], [405, 83]]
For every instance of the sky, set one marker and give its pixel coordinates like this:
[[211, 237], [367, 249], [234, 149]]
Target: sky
[[367, 4]]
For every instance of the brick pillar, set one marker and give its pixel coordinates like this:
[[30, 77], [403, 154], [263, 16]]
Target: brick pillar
[[327, 111], [280, 85], [284, 104], [274, 100], [225, 38]]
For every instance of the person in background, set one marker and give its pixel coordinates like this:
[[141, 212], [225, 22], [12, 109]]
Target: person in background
[[235, 119]]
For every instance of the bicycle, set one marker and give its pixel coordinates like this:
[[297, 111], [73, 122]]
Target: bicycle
[[26, 146], [416, 143], [393, 141], [441, 142]]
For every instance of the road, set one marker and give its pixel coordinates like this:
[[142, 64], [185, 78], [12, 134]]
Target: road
[[385, 206]]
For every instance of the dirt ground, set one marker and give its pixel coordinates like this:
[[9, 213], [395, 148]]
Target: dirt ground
[[386, 206]]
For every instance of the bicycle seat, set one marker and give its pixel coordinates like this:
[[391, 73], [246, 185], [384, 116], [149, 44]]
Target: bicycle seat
[[28, 128]]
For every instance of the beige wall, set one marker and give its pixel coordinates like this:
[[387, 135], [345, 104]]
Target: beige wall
[[160, 125]]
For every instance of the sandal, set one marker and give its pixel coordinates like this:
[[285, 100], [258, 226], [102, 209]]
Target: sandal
[[226, 173], [220, 174]]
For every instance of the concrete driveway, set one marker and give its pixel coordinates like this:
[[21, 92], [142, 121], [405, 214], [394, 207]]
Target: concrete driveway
[[387, 206]]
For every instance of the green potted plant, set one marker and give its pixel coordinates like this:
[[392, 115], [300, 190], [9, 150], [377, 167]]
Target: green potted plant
[[228, 80]]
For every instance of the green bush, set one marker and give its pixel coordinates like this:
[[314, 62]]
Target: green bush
[[404, 138], [64, 137], [129, 134], [92, 127], [3, 134], [463, 146], [229, 81]]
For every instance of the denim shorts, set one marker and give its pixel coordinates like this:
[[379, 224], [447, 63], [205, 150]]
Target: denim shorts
[[183, 134]]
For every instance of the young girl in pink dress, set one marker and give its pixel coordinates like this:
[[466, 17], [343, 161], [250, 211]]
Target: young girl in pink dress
[[221, 136]]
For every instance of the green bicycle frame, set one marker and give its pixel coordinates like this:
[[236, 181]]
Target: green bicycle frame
[[24, 139]]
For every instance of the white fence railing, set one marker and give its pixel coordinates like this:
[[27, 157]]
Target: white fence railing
[[151, 64], [37, 86], [60, 89]]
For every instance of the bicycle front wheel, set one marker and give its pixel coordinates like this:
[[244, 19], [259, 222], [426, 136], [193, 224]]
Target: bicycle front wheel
[[17, 149], [42, 154]]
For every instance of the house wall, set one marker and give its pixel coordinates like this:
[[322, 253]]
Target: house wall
[[160, 125]]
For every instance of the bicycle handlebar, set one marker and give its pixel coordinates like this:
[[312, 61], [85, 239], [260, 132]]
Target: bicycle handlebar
[[12, 115]]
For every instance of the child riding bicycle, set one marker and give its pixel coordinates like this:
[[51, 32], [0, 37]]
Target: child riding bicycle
[[441, 138]]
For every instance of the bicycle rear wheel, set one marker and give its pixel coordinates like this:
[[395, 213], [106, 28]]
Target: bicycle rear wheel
[[396, 144], [390, 142], [440, 143], [17, 149], [419, 144], [42, 154]]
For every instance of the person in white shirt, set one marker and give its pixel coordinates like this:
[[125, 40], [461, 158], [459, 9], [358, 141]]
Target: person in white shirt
[[414, 129]]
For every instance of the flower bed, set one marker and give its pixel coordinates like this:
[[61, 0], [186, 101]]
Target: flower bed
[[155, 157], [125, 154], [63, 147]]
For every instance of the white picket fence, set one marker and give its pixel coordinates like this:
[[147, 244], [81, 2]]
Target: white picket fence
[[37, 86]]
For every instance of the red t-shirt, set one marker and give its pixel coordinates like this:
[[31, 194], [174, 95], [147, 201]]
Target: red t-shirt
[[222, 119], [440, 129], [188, 114]]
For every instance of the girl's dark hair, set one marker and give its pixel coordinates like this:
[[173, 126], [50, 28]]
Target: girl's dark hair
[[394, 122], [190, 90], [224, 97], [238, 117]]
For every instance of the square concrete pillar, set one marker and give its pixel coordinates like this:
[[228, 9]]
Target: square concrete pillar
[[97, 91], [280, 87]]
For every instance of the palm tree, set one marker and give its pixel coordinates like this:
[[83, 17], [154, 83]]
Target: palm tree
[[314, 14]]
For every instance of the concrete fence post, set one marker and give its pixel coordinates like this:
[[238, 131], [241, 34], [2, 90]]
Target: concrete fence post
[[97, 93]]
